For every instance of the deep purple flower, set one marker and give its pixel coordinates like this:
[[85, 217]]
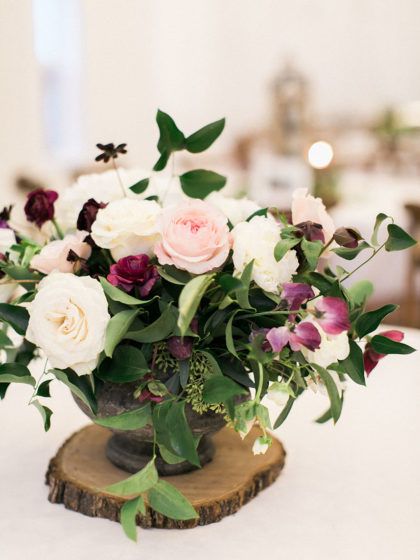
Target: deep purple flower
[[304, 334], [371, 358], [147, 395], [88, 214], [332, 314], [347, 237], [180, 348], [296, 294], [134, 271], [312, 231], [39, 207]]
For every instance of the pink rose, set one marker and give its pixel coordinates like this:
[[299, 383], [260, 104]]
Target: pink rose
[[195, 237], [306, 208], [54, 255]]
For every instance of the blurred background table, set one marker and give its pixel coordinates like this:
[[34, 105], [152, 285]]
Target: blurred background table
[[347, 491]]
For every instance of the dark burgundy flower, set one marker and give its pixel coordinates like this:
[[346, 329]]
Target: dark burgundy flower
[[147, 395], [371, 358], [347, 237], [296, 294], [110, 151], [39, 207], [332, 313], [180, 348], [134, 271], [312, 231], [88, 214]]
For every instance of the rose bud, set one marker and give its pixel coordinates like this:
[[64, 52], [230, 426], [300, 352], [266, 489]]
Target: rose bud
[[39, 207], [88, 214], [371, 358], [312, 231], [332, 313], [347, 237], [180, 348], [134, 271]]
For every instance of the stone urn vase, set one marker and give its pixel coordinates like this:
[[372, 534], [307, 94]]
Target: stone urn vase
[[132, 450]]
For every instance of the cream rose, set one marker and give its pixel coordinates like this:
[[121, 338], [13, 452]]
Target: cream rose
[[127, 227], [195, 237], [235, 209], [54, 255], [68, 319], [255, 240], [306, 208]]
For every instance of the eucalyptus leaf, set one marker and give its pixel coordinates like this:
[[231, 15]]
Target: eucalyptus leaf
[[167, 500], [137, 483], [128, 516]]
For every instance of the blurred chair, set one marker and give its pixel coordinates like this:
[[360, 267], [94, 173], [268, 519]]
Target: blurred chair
[[413, 292]]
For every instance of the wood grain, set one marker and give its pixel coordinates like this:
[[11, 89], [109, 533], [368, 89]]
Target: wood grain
[[80, 470]]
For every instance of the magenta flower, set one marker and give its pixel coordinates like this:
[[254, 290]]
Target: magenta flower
[[371, 358], [180, 348], [147, 395], [134, 271], [39, 207], [88, 214], [296, 294], [304, 334], [332, 314], [347, 237]]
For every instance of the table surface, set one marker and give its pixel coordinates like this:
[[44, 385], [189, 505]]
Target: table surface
[[349, 491]]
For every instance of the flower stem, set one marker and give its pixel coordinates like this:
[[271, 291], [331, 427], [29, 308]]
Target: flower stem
[[119, 177], [375, 251], [260, 382], [58, 228]]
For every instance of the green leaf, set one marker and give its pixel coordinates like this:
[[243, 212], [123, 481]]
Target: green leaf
[[15, 316], [230, 344], [79, 385], [5, 340], [162, 161], [243, 292], [350, 254], [204, 138], [128, 516], [190, 298], [140, 186], [380, 218], [174, 275], [171, 138], [137, 483], [218, 389], [127, 364], [131, 420], [359, 292], [117, 329], [116, 294], [158, 330], [19, 273], [332, 391], [285, 412], [353, 365], [312, 251], [213, 363], [283, 246], [384, 345], [44, 389], [16, 373], [370, 321], [328, 414], [180, 435], [45, 412], [167, 500], [168, 456], [398, 239], [199, 183]]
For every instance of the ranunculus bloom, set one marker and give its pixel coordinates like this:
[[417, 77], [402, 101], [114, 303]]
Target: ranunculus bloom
[[305, 334], [306, 208], [180, 348], [39, 207], [255, 240], [332, 313], [371, 358], [54, 256], [127, 227], [195, 237], [296, 294], [134, 271], [88, 214], [68, 320]]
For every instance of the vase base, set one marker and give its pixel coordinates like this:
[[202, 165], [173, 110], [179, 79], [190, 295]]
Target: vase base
[[81, 470], [133, 456]]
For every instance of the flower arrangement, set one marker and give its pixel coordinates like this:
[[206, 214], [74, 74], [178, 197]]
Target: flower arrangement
[[197, 299]]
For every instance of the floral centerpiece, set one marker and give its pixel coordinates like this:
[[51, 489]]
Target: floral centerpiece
[[186, 300]]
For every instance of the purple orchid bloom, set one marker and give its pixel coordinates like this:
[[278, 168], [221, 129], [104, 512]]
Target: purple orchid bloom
[[304, 334], [332, 314], [296, 294]]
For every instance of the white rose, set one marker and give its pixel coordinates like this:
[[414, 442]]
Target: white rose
[[127, 227], [68, 319], [103, 187], [332, 348], [256, 240], [235, 209], [28, 229]]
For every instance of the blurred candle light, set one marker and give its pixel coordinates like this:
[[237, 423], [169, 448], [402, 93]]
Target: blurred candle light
[[320, 154]]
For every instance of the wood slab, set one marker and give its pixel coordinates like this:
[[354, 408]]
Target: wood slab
[[80, 470]]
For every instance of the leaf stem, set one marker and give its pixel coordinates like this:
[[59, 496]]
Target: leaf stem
[[375, 251], [119, 177]]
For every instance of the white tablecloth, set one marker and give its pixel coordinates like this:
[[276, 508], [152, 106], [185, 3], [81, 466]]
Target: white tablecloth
[[347, 492]]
